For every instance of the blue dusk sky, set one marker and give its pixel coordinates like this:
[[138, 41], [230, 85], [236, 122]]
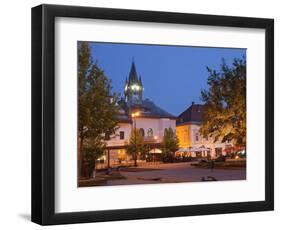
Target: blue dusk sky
[[172, 76]]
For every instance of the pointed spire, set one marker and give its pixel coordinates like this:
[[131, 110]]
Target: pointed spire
[[133, 77], [140, 81], [133, 89], [126, 83]]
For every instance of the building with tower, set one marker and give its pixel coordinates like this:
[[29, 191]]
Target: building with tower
[[151, 120]]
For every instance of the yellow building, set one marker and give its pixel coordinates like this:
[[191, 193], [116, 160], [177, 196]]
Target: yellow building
[[183, 133], [191, 143]]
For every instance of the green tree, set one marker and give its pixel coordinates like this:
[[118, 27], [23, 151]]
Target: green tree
[[170, 143], [225, 103], [97, 107], [136, 146], [144, 152]]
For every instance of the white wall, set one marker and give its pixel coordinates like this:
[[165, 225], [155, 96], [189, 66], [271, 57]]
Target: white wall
[[126, 128], [15, 114], [157, 125], [204, 142]]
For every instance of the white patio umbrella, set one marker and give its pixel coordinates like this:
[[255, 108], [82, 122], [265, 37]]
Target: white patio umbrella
[[155, 151], [182, 150], [193, 149], [204, 149]]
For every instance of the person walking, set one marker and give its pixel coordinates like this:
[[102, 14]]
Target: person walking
[[212, 165]]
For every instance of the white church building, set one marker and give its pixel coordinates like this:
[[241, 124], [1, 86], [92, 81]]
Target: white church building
[[150, 120]]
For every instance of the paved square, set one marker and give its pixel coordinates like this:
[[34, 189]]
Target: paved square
[[174, 173]]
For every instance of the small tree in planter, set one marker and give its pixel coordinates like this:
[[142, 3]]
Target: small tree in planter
[[170, 144], [135, 146], [91, 153]]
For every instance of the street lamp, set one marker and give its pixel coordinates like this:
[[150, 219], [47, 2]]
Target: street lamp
[[134, 116]]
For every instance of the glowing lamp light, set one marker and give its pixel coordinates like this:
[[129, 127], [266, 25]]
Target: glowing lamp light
[[136, 114]]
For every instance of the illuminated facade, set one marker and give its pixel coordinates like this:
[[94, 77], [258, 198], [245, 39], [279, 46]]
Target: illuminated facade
[[190, 141]]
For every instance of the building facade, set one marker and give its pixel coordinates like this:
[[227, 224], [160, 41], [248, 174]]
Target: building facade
[[151, 120], [190, 141]]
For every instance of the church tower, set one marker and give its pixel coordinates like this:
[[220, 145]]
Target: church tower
[[133, 87]]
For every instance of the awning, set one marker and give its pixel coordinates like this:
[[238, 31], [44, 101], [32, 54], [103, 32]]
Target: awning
[[155, 150], [193, 150]]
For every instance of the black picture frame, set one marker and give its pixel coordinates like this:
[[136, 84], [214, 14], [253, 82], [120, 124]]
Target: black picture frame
[[43, 114]]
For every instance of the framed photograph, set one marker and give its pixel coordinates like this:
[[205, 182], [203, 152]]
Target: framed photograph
[[142, 114]]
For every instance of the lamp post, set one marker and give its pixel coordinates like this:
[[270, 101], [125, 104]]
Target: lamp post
[[134, 116], [155, 138]]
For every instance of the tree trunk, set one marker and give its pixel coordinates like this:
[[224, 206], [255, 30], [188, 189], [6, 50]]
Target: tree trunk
[[79, 152], [108, 158], [135, 159], [94, 170]]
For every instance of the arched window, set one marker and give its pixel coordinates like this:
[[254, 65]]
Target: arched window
[[150, 132], [142, 131]]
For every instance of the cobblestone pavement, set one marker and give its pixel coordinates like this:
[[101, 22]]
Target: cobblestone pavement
[[174, 173]]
